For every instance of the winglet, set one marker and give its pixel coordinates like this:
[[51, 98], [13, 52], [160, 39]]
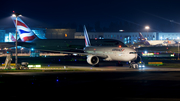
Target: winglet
[[25, 33], [87, 41]]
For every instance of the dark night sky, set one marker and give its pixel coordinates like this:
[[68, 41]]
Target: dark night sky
[[52, 12]]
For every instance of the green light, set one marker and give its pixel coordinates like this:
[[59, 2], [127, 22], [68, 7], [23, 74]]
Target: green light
[[148, 54], [30, 65], [34, 65], [38, 65]]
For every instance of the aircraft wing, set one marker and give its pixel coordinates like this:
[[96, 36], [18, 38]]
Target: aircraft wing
[[80, 53], [96, 54]]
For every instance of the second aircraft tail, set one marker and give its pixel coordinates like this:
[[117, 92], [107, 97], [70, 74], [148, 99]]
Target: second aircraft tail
[[143, 40]]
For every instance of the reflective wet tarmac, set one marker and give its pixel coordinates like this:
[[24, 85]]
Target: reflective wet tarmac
[[108, 84]]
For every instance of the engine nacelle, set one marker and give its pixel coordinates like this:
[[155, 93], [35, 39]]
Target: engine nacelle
[[92, 60]]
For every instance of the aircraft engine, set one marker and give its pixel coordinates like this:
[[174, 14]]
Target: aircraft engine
[[92, 60]]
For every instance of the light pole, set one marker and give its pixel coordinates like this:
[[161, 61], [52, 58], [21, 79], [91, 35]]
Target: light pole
[[147, 28], [16, 15], [178, 50]]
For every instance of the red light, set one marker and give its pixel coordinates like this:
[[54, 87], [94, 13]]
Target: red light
[[95, 38], [119, 46], [157, 53], [13, 11], [167, 48], [94, 49]]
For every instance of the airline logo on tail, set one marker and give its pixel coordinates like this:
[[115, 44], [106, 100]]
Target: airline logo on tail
[[87, 41], [143, 40], [24, 31], [12, 38], [141, 37]]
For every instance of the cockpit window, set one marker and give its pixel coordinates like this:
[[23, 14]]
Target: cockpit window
[[132, 52]]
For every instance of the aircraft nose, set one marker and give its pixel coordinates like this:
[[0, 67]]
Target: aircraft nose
[[135, 56]]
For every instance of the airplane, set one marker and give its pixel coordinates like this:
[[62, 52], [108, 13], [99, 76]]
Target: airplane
[[108, 53], [30, 40], [94, 53], [155, 42]]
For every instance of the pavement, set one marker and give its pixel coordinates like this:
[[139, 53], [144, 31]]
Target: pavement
[[104, 82], [109, 68]]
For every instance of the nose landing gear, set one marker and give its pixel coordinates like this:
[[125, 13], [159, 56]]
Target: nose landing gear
[[138, 63], [133, 65]]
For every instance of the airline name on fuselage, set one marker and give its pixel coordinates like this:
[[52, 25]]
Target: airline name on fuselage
[[118, 49]]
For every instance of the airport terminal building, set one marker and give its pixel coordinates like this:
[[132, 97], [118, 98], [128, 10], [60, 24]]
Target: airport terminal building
[[126, 37], [130, 37]]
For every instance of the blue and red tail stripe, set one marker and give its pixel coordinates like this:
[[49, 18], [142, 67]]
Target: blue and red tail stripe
[[29, 38], [20, 24], [24, 31], [87, 41]]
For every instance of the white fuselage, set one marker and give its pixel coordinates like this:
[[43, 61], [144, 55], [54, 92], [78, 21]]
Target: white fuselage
[[113, 53], [162, 42]]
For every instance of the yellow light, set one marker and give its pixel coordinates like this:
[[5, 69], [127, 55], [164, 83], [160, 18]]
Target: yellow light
[[65, 35], [16, 15], [147, 27], [13, 15], [119, 46]]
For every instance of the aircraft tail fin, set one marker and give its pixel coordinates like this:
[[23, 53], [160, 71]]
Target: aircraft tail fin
[[13, 39], [143, 40], [87, 41], [141, 37], [25, 33]]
